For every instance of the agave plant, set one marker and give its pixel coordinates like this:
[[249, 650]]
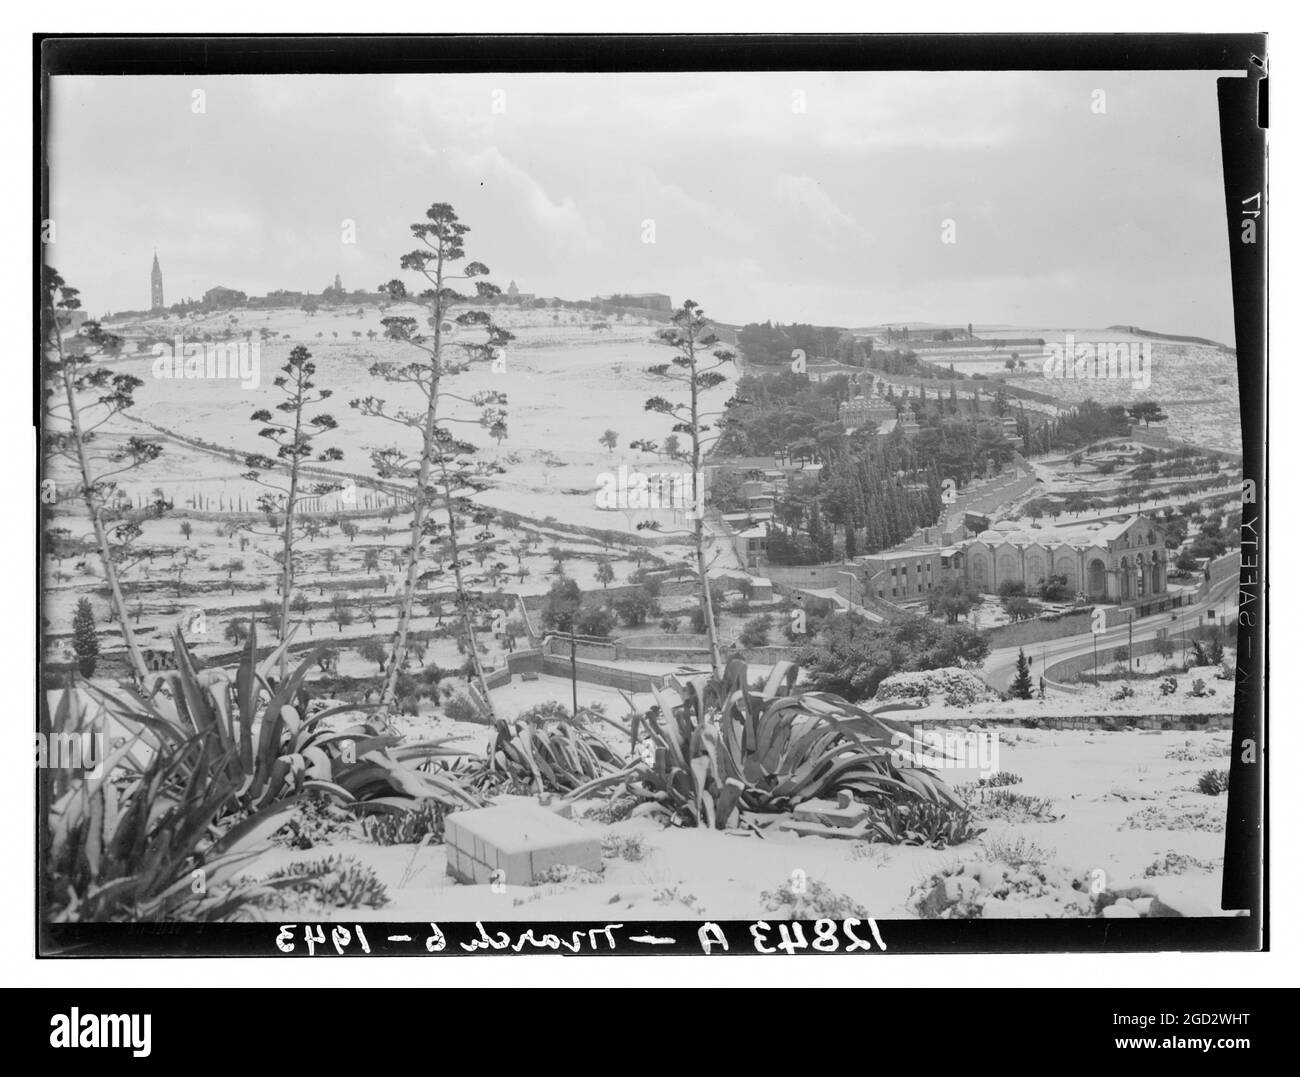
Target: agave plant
[[142, 844], [206, 768], [557, 757], [727, 753], [265, 744]]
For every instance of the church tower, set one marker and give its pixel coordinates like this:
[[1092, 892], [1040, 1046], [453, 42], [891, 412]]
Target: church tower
[[155, 286]]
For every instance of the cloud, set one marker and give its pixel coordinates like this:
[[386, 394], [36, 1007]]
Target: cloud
[[805, 194], [560, 219]]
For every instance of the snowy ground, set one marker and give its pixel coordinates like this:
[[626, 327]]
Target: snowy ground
[[565, 383], [1119, 805]]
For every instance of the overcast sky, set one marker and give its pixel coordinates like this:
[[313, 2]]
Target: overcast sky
[[832, 214]]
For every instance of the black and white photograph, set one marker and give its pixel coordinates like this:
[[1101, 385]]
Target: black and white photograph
[[600, 507]]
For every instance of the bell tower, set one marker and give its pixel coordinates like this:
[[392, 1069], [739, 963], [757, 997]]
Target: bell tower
[[155, 286]]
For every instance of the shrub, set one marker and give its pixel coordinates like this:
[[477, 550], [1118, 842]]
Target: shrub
[[1017, 851], [974, 890], [614, 810], [634, 608], [1213, 782], [921, 823], [315, 819], [1185, 753], [460, 708], [598, 621], [1002, 777], [336, 882], [1013, 807], [405, 826], [1158, 817], [630, 847], [1207, 654], [756, 630], [1125, 692], [808, 899], [541, 713], [957, 687], [1176, 864], [566, 873], [1168, 686]]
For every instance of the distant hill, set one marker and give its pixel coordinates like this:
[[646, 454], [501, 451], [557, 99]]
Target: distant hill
[[1133, 330]]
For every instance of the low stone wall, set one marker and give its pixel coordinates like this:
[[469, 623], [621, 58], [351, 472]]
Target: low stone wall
[[560, 645], [671, 656], [632, 646], [815, 577], [769, 656], [1039, 629], [609, 676], [818, 604], [524, 661], [1185, 722], [1227, 566], [1080, 665], [1088, 722]]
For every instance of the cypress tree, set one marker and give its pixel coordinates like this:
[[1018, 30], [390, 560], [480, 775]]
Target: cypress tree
[[84, 640], [1023, 686]]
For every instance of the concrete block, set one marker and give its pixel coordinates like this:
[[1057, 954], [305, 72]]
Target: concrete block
[[522, 839]]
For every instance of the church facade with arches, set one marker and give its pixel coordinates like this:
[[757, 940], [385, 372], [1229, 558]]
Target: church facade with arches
[[1120, 561]]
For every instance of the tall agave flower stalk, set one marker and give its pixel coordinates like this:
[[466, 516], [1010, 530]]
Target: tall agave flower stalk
[[440, 475]]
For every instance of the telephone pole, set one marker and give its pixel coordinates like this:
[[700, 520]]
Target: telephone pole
[[573, 668]]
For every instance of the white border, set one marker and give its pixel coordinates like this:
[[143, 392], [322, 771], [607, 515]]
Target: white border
[[17, 649]]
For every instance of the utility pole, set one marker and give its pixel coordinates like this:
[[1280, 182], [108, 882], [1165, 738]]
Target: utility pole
[[1131, 615], [1095, 678], [573, 668]]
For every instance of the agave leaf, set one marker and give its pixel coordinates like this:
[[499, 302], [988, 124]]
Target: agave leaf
[[420, 784], [784, 672], [266, 669], [602, 782], [196, 696], [254, 831], [329, 788]]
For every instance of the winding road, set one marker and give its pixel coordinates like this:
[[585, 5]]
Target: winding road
[[1000, 665]]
